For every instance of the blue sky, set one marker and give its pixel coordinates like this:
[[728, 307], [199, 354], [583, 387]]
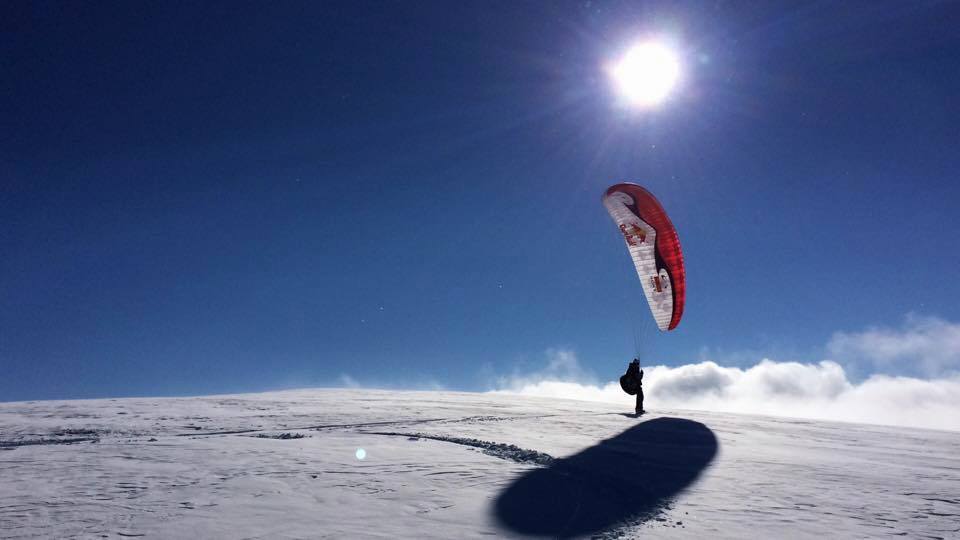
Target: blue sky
[[236, 196]]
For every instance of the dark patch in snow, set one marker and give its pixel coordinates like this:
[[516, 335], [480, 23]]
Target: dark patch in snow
[[624, 481], [508, 452], [488, 418], [34, 442], [75, 432], [281, 436], [948, 501]]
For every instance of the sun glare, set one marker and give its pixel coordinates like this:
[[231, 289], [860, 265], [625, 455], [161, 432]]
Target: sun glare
[[646, 74]]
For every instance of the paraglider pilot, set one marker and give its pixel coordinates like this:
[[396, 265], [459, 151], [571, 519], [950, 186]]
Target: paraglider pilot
[[632, 382]]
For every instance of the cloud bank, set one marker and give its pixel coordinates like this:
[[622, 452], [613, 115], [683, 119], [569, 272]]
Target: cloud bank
[[821, 390], [925, 346]]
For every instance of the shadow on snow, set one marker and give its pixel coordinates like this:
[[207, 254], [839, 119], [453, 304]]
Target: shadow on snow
[[623, 480]]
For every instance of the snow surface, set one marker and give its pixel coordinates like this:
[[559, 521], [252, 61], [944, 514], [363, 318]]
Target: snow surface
[[459, 465]]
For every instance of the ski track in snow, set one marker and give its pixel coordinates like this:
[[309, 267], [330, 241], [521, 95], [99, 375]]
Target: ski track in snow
[[438, 464], [508, 452]]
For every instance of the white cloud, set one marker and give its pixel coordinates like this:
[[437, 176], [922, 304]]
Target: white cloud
[[346, 381], [562, 366], [926, 346], [820, 391]]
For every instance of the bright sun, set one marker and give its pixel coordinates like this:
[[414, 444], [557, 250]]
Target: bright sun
[[646, 74]]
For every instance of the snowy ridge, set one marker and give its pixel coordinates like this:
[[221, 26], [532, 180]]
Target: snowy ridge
[[286, 465]]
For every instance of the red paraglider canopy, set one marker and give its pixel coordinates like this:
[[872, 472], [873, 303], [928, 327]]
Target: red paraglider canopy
[[654, 247]]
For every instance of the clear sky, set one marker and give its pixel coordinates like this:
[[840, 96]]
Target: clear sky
[[217, 197]]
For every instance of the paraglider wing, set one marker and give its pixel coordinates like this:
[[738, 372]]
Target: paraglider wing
[[654, 247]]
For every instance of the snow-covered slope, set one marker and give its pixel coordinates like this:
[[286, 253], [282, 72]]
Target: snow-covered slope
[[459, 465]]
